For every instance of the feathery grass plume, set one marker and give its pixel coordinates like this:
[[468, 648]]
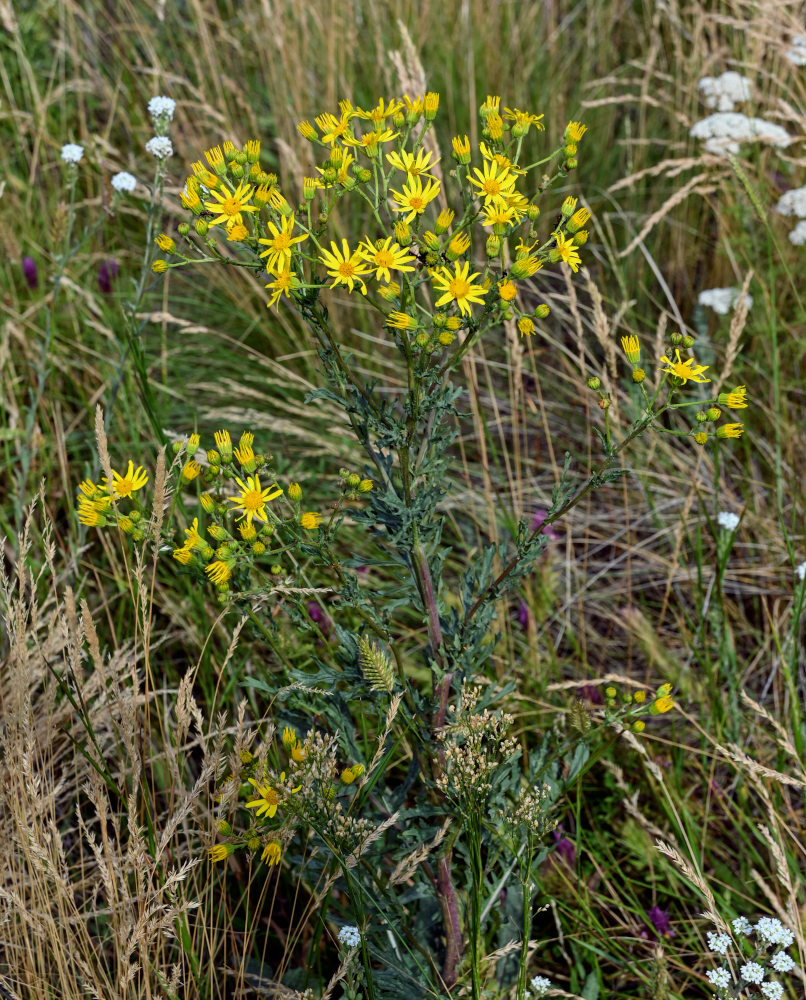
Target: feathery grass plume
[[375, 666]]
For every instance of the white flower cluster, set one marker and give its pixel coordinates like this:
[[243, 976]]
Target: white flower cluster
[[800, 571], [796, 53], [124, 182], [769, 931], [161, 109], [722, 300], [539, 985], [72, 152], [793, 202], [724, 131], [728, 521], [160, 147], [798, 234], [722, 92], [350, 936]]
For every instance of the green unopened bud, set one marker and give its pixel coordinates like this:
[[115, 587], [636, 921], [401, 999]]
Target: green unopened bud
[[638, 375], [224, 828], [329, 175], [183, 228], [676, 338], [135, 516], [276, 569], [364, 175], [493, 246], [177, 446], [223, 552], [236, 170], [258, 549], [571, 163], [431, 241], [702, 416], [542, 311], [581, 237], [533, 213], [353, 480], [201, 226], [432, 258], [594, 383], [713, 413], [688, 341], [422, 340], [570, 149], [402, 233], [439, 319]]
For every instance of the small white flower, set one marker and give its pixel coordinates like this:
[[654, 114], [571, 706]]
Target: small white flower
[[718, 942], [727, 520], [160, 147], [798, 234], [350, 936], [742, 925], [781, 962], [722, 300], [797, 53], [719, 977], [722, 92], [539, 985], [72, 152], [726, 129], [161, 108], [800, 571], [124, 182], [773, 990], [752, 972]]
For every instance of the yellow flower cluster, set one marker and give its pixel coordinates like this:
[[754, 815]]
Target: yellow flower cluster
[[428, 268], [680, 371], [629, 706], [97, 502]]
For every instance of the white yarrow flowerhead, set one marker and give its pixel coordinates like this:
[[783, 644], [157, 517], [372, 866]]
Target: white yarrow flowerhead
[[539, 985], [718, 942], [724, 131], [782, 962], [350, 936], [727, 520], [800, 571], [722, 300], [72, 152], [796, 53], [798, 234], [161, 109], [722, 92], [772, 990], [752, 972], [160, 147], [124, 182], [793, 202], [772, 931], [719, 977], [742, 925]]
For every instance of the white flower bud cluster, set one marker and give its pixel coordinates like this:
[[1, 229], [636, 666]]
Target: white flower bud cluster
[[724, 131], [769, 931]]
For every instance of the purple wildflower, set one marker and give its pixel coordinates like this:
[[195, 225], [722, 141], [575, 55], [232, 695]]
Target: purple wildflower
[[564, 847], [537, 519], [30, 272], [107, 272], [591, 693], [523, 614], [660, 925], [320, 618]]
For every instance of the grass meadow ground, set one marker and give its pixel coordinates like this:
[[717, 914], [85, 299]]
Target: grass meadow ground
[[617, 839]]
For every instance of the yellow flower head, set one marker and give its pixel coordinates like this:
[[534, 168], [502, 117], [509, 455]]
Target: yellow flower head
[[253, 499], [272, 853], [684, 370], [190, 470], [736, 399], [306, 130], [183, 555], [370, 141], [124, 486], [266, 802], [632, 349], [458, 246], [458, 287], [220, 571], [661, 705], [401, 321], [385, 256], [344, 267], [230, 204], [498, 215], [310, 521], [431, 103], [502, 161], [414, 166], [91, 513], [285, 282], [247, 531], [333, 128], [492, 181], [289, 738], [380, 112], [526, 326], [194, 539], [522, 120], [237, 232], [566, 250], [220, 852], [507, 290], [223, 443], [244, 452], [414, 198], [461, 148], [574, 131], [490, 106], [730, 430], [294, 492], [280, 243], [495, 127], [215, 158]]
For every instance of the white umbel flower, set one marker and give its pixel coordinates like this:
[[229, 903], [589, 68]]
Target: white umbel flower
[[72, 152], [350, 936], [772, 931], [722, 300], [796, 53], [725, 130], [539, 985], [161, 109], [752, 972], [124, 182], [793, 202], [798, 234], [718, 942], [722, 92], [782, 962], [727, 520], [160, 147], [772, 990], [719, 977], [742, 925]]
